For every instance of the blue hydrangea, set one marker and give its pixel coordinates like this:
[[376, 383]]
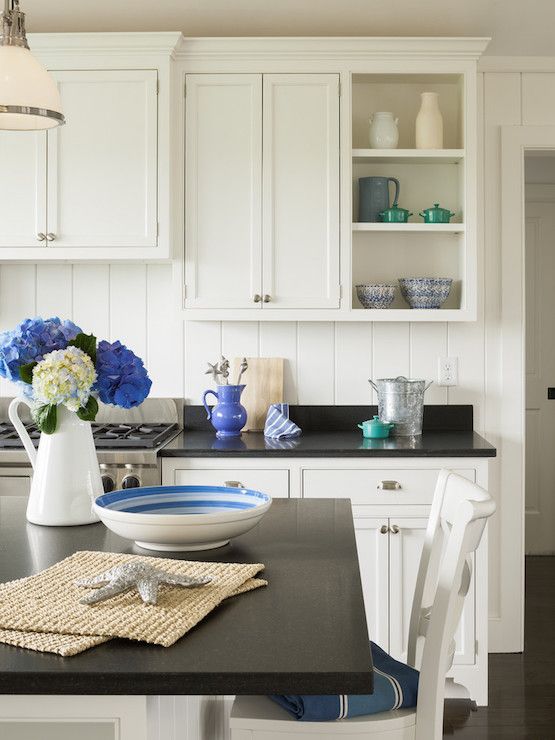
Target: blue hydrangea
[[30, 341], [122, 379]]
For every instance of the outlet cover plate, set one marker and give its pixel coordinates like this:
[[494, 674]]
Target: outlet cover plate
[[447, 371]]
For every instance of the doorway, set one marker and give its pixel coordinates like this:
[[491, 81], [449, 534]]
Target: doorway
[[539, 242]]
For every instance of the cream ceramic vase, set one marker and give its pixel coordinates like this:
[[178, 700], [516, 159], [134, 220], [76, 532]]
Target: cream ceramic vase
[[429, 123], [66, 476], [383, 131]]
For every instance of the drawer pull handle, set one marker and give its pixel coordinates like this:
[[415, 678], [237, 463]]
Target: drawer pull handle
[[389, 485], [394, 529], [384, 529], [233, 484]]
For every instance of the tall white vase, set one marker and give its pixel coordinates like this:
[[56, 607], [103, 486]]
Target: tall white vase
[[66, 476], [429, 123]]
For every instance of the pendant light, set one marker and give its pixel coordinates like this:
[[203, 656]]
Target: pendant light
[[29, 96]]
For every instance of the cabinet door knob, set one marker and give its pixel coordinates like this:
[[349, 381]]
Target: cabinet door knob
[[267, 298], [233, 484], [257, 298], [389, 485], [384, 529], [395, 529], [41, 237], [50, 237]]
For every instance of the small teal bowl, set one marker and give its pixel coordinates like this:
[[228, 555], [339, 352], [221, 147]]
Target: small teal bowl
[[375, 429], [181, 518]]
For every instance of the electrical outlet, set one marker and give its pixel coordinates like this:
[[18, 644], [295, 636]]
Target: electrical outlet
[[447, 371]]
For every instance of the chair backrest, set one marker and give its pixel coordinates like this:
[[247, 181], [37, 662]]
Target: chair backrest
[[457, 521]]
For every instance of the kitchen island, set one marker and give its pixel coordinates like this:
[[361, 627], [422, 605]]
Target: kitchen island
[[304, 632]]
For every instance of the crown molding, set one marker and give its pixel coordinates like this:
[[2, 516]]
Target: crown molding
[[332, 47], [166, 43]]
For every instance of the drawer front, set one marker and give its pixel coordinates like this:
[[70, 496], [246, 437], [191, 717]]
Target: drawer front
[[381, 486], [273, 482]]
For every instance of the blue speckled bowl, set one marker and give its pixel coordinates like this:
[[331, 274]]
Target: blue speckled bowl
[[425, 292], [376, 295]]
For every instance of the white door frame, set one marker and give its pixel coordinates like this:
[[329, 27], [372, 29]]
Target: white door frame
[[515, 141]]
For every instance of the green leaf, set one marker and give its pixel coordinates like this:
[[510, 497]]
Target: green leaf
[[46, 418], [26, 372], [88, 412], [87, 343]]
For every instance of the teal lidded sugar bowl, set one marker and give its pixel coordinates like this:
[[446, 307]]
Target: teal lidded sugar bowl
[[395, 215], [375, 429], [436, 215]]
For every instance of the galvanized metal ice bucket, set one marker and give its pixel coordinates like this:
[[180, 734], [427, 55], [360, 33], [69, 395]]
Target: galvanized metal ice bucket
[[401, 401]]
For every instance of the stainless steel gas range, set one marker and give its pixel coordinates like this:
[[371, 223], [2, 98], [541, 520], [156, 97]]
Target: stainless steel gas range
[[127, 444]]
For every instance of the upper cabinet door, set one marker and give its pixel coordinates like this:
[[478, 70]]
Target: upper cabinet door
[[223, 162], [22, 188], [102, 165], [301, 191]]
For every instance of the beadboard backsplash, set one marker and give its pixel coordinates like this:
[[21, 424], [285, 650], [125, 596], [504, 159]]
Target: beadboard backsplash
[[326, 363]]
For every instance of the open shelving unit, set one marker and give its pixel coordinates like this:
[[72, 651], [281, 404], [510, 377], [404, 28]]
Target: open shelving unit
[[384, 252]]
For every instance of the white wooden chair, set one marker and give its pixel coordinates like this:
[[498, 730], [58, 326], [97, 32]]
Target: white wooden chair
[[457, 520]]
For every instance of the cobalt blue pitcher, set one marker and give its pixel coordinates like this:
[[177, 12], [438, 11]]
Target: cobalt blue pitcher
[[228, 416]]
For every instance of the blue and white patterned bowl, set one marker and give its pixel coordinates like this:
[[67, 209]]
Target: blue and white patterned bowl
[[182, 517], [376, 295], [425, 292]]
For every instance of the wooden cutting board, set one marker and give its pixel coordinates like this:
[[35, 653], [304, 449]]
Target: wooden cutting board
[[264, 386]]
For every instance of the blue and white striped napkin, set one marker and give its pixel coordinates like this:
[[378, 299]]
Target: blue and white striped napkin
[[278, 424]]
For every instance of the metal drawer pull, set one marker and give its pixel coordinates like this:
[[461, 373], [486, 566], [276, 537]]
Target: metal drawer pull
[[384, 529], [394, 529], [389, 485], [233, 484], [50, 237], [267, 298], [41, 237], [257, 298]]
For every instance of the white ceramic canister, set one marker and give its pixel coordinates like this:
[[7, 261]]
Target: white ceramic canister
[[383, 132], [429, 123]]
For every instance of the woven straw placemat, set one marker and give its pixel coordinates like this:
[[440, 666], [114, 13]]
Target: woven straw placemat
[[49, 601], [67, 645]]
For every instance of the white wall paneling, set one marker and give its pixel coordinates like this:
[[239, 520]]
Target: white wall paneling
[[315, 363], [353, 362]]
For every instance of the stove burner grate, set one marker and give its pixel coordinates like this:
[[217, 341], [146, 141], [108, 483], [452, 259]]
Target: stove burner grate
[[106, 436]]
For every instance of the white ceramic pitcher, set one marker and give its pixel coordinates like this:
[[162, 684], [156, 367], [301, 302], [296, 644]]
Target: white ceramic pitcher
[[66, 476]]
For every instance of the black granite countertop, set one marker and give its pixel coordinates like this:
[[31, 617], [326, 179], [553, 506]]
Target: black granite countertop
[[332, 431], [303, 633]]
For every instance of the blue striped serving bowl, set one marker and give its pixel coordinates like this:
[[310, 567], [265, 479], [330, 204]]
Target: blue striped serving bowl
[[182, 517]]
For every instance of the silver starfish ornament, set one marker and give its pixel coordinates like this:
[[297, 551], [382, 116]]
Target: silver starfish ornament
[[136, 574], [213, 371]]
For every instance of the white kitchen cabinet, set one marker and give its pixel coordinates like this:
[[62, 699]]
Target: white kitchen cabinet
[[22, 189], [262, 232], [300, 212], [223, 154], [373, 556], [199, 472], [102, 165], [107, 185]]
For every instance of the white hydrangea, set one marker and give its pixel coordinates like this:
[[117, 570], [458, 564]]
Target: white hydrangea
[[64, 376]]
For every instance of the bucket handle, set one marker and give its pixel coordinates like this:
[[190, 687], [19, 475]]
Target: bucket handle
[[374, 386], [20, 429], [399, 377]]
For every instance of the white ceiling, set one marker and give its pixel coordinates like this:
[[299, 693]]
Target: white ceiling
[[517, 27]]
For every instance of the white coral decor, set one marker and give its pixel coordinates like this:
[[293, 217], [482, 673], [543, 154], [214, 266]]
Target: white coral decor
[[64, 376]]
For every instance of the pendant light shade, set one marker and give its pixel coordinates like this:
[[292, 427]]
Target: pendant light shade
[[29, 96]]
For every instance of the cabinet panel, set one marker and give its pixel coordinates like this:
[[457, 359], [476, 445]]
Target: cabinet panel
[[102, 165], [273, 482], [22, 188], [405, 548], [223, 163], [372, 546], [301, 191]]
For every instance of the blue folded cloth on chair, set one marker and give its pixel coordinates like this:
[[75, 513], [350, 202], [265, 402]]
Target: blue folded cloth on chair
[[278, 424], [395, 687]]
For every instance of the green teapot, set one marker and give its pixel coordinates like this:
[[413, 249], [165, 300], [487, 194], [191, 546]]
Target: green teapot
[[436, 215], [395, 215], [375, 429]]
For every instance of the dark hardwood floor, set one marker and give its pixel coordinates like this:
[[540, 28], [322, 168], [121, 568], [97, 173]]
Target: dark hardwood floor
[[521, 686]]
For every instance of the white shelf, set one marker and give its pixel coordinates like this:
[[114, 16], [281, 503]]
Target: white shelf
[[410, 227], [408, 156]]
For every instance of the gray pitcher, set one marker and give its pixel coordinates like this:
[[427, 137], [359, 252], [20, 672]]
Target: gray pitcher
[[373, 197]]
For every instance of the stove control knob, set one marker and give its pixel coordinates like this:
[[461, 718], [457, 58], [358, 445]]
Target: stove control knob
[[108, 483], [130, 481]]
